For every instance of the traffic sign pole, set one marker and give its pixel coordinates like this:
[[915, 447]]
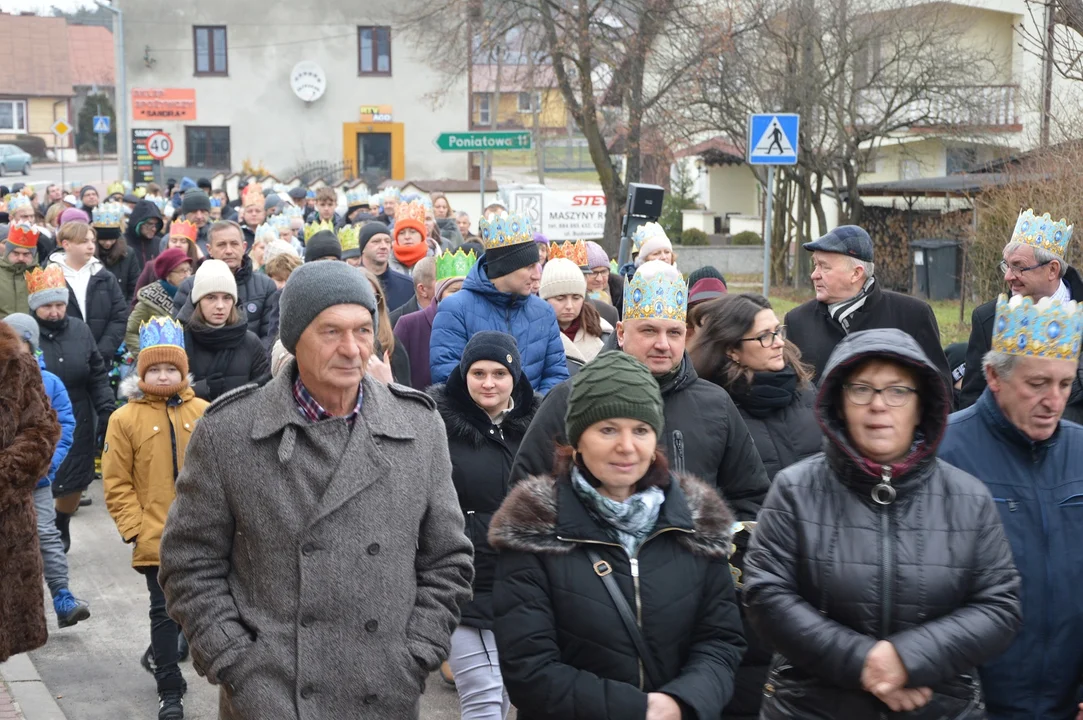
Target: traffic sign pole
[[772, 141], [101, 144], [769, 211]]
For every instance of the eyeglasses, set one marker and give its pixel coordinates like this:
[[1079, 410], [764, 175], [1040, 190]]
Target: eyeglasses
[[893, 395], [1018, 270], [768, 338]]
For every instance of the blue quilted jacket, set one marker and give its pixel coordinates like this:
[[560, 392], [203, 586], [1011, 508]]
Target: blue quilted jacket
[[480, 306], [58, 398]]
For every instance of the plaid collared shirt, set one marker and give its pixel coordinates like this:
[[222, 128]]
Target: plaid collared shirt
[[313, 411]]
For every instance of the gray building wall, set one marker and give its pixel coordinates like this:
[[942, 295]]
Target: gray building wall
[[269, 125]]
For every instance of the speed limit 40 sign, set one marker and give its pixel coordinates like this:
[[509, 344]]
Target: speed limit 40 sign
[[159, 146]]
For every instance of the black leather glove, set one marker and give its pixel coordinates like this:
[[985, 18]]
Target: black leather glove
[[103, 425], [216, 382]]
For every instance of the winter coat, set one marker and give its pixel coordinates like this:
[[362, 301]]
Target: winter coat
[[981, 342], [125, 268], [400, 364], [397, 266], [480, 306], [106, 313], [28, 436], [143, 249], [1038, 489], [450, 235], [704, 436], [152, 301], [481, 454], [144, 452], [816, 333], [13, 295], [564, 652], [257, 295], [71, 354], [616, 292], [413, 333], [585, 347], [60, 402], [411, 306], [225, 358], [333, 582], [829, 572]]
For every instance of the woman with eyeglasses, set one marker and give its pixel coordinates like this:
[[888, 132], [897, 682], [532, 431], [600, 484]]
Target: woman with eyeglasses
[[740, 345], [880, 574]]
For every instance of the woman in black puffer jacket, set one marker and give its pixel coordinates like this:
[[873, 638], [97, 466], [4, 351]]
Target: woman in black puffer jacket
[[487, 404], [118, 258], [880, 574], [223, 354]]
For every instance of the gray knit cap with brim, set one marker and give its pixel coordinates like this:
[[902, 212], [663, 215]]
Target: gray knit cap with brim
[[44, 297], [314, 287]]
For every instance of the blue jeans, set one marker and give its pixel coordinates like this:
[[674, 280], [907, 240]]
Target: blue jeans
[[478, 680], [52, 550]]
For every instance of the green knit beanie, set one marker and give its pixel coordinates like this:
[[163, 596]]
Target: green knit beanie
[[613, 385]]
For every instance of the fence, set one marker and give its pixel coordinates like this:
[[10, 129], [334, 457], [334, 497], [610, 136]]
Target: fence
[[566, 155], [330, 173]]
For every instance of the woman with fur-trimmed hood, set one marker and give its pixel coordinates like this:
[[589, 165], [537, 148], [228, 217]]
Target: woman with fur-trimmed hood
[[614, 515]]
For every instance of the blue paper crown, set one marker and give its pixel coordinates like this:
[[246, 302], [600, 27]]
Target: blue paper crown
[[17, 202], [357, 196], [161, 331], [656, 296], [267, 232], [1043, 232], [391, 192], [108, 215], [645, 232], [1044, 329], [159, 202], [279, 222], [374, 202], [505, 230], [292, 211]]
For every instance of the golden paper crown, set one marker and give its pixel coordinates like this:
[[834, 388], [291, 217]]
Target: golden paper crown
[[253, 195], [1043, 233], [51, 278], [1044, 329], [349, 237], [411, 211], [184, 229], [658, 292], [314, 227], [576, 252], [505, 229]]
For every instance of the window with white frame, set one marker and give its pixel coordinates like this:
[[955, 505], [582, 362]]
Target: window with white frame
[[13, 115], [483, 103], [526, 99]]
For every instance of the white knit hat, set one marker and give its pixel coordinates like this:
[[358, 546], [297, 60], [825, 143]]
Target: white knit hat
[[278, 247], [654, 243], [562, 277], [211, 277]]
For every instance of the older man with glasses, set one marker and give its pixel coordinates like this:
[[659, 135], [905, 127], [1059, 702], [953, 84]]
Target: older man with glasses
[[1034, 266]]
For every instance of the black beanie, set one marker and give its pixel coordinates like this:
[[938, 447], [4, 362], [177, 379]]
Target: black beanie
[[707, 271], [492, 345], [322, 245], [106, 233], [501, 261], [370, 230], [477, 247], [195, 200], [85, 189]]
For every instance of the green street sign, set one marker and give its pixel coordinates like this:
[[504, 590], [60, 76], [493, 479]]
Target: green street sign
[[487, 140]]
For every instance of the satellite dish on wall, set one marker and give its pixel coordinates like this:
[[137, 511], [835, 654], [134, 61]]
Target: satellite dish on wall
[[308, 81]]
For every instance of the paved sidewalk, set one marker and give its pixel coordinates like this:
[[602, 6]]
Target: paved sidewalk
[[23, 695], [8, 709]]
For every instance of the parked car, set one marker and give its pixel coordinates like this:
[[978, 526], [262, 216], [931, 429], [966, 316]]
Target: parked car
[[12, 159]]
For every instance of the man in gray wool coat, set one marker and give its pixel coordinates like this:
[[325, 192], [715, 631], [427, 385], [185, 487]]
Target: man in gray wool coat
[[315, 554]]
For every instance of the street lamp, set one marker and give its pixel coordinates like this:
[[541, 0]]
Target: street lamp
[[123, 166]]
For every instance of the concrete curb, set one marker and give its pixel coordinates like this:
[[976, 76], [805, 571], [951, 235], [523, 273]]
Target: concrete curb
[[27, 689]]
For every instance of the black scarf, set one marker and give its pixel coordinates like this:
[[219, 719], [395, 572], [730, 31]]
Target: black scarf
[[53, 326], [227, 337], [769, 391]]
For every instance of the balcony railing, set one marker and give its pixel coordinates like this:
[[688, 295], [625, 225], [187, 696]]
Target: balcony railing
[[988, 107]]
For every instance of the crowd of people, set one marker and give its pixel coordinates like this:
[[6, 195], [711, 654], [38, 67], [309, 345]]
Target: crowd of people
[[583, 490]]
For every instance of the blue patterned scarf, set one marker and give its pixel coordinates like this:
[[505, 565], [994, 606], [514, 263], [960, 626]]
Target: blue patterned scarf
[[631, 520]]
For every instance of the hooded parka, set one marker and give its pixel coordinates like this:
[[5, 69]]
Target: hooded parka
[[144, 452], [144, 249], [14, 297], [564, 652], [830, 571]]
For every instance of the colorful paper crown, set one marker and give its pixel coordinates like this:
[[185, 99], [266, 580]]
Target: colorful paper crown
[[374, 202], [454, 265], [656, 293], [1046, 329], [184, 229], [410, 211], [108, 215], [159, 202], [315, 227], [391, 192], [51, 278], [116, 188], [645, 232], [253, 195], [279, 222], [18, 201], [290, 212], [576, 252], [140, 192], [357, 197], [505, 230], [1043, 233], [161, 331], [349, 237], [266, 232], [23, 236]]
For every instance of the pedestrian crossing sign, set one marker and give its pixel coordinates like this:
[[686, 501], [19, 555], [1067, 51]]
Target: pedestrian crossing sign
[[101, 124], [772, 139]]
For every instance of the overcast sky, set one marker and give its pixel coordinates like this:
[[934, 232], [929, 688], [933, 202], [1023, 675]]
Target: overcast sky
[[40, 6]]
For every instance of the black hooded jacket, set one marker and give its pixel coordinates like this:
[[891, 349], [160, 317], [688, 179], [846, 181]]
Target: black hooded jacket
[[141, 248], [830, 571], [106, 312], [125, 266], [481, 456]]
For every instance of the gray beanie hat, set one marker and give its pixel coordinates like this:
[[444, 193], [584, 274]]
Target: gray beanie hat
[[25, 327], [314, 287]]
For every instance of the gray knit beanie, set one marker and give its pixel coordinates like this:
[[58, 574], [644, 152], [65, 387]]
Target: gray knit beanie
[[25, 327], [314, 287], [613, 385]]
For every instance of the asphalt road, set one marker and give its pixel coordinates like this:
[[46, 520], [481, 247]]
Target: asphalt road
[[93, 668]]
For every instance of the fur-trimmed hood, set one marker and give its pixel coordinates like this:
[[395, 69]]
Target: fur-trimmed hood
[[466, 422], [129, 388], [529, 519]]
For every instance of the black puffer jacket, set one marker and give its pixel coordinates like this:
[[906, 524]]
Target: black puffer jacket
[[106, 314], [143, 249], [124, 265], [221, 359], [71, 354], [564, 652], [257, 295], [481, 455], [704, 436], [829, 572]]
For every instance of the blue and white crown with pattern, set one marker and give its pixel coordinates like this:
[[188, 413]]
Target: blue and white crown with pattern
[[656, 292], [161, 331], [292, 211], [108, 215], [17, 202], [505, 230], [1044, 329], [1043, 232], [279, 222], [374, 202], [645, 232], [357, 197], [266, 232], [391, 192]]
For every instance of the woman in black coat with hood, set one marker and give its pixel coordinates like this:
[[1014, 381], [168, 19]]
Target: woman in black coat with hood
[[223, 353], [487, 404], [880, 574], [143, 233]]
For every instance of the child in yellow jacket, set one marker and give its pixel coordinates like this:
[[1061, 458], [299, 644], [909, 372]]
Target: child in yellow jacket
[[144, 452]]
